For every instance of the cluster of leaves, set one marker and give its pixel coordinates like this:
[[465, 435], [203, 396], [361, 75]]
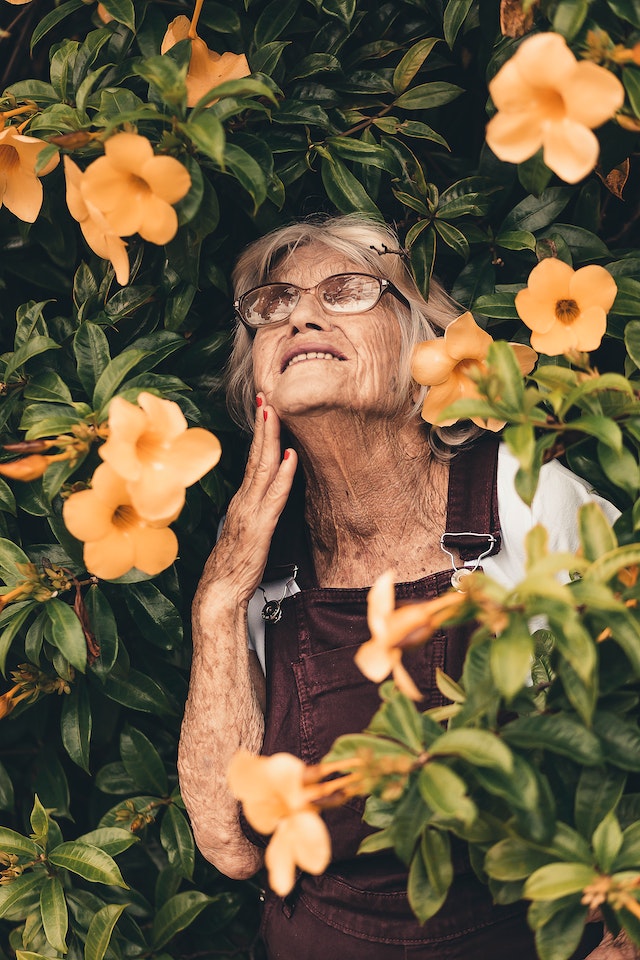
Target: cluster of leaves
[[353, 105]]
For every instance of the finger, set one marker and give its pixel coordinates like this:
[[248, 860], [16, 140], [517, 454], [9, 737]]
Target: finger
[[255, 451], [280, 488]]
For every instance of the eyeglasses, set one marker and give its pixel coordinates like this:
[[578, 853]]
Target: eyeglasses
[[273, 303]]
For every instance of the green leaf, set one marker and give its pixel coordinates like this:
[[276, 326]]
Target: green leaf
[[113, 375], [65, 632], [105, 629], [112, 840], [75, 724], [596, 535], [207, 134], [427, 96], [247, 172], [21, 895], [177, 914], [7, 798], [423, 254], [430, 874], [14, 843], [620, 739], [345, 191], [53, 18], [446, 793], [569, 16], [47, 387], [516, 240], [475, 746], [513, 859], [166, 76], [143, 762], [455, 14], [511, 654], [632, 340], [631, 81], [411, 63], [621, 468], [607, 841], [139, 692], [55, 917], [87, 861], [154, 614], [123, 11], [19, 613], [273, 20], [558, 733], [101, 929], [177, 840], [34, 348], [560, 936], [453, 237], [556, 880], [597, 794], [535, 213]]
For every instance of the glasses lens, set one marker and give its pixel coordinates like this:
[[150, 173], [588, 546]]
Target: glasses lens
[[349, 292], [271, 303]]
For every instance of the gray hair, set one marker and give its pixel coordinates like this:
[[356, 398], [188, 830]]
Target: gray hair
[[375, 247]]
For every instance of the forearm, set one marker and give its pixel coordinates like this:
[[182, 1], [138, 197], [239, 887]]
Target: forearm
[[223, 712]]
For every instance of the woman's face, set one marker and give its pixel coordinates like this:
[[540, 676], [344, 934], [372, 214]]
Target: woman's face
[[355, 366]]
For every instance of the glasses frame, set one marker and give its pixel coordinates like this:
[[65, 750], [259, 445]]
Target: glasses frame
[[386, 286]]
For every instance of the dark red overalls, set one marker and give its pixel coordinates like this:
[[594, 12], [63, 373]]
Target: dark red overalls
[[358, 909]]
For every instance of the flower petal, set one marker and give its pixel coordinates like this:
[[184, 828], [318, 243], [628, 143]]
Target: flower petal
[[593, 286], [167, 418], [545, 60], [127, 423], [555, 341], [23, 195], [570, 149], [280, 861], [197, 451], [128, 152], [154, 549], [310, 841], [514, 137], [535, 312], [592, 94], [431, 362], [465, 340], [86, 516], [589, 328], [550, 279], [158, 494], [381, 600], [168, 178], [404, 683], [440, 397], [177, 30], [375, 660], [525, 356], [159, 223], [110, 557]]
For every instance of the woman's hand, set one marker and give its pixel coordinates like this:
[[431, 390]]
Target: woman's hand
[[237, 562]]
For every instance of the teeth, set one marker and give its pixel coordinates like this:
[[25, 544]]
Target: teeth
[[312, 355]]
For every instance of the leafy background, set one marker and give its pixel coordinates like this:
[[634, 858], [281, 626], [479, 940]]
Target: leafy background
[[353, 105]]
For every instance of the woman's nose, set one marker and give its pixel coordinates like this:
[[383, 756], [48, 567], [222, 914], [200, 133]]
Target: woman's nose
[[308, 314]]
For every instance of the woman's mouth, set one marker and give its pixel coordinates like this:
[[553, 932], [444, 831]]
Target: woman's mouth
[[310, 355]]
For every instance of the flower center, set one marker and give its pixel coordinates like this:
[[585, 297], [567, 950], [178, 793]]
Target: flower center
[[124, 516], [552, 104], [9, 158], [139, 184], [469, 366], [567, 311]]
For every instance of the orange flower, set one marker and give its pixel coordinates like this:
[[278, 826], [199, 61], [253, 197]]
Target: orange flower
[[276, 800], [444, 365], [546, 98], [96, 230], [133, 189], [393, 628], [115, 536], [150, 447], [565, 308], [207, 68], [20, 187]]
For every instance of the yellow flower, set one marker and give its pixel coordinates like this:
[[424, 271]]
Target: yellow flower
[[444, 366], [277, 800], [20, 187], [133, 188], [546, 98], [150, 447], [97, 232], [207, 68], [565, 308], [115, 536], [394, 628]]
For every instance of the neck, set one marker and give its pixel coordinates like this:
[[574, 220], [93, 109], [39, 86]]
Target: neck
[[375, 497]]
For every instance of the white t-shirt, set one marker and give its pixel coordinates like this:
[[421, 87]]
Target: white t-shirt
[[559, 495]]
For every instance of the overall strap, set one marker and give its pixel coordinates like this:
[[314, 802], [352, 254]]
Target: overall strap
[[473, 524]]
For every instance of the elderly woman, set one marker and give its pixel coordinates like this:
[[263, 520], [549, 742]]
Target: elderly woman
[[329, 318]]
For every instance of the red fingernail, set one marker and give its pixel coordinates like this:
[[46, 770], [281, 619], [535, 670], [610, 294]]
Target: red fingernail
[[265, 414], [258, 401], [287, 454]]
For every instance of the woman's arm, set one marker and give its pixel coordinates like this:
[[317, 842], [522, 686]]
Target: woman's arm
[[225, 706]]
